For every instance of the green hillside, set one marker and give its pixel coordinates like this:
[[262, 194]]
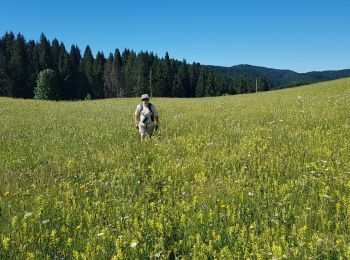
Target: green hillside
[[277, 78], [255, 176]]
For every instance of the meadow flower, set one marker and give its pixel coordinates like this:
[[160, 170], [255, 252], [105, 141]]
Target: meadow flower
[[27, 214], [30, 255], [158, 254], [69, 241], [133, 243], [6, 242]]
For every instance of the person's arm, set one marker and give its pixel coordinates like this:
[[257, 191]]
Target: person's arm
[[137, 117], [156, 117], [137, 120]]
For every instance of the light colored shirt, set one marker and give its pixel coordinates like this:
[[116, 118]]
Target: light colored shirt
[[145, 114]]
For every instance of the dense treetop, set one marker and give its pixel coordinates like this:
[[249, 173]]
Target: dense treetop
[[80, 75], [119, 74]]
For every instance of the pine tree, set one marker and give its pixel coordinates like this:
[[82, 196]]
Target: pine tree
[[3, 68], [88, 69], [63, 72], [98, 82], [45, 56], [155, 78], [201, 83], [55, 53], [109, 90], [181, 82], [74, 82], [263, 84], [142, 74], [129, 74], [117, 73], [125, 56], [167, 77], [19, 68], [243, 85], [210, 85], [33, 66], [194, 71], [6, 48]]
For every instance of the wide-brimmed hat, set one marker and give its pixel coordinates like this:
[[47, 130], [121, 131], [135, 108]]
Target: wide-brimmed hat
[[145, 96]]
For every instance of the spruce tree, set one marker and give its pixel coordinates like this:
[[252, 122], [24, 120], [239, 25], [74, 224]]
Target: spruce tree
[[263, 84], [167, 77], [45, 56], [3, 66], [181, 82], [193, 79], [55, 53], [117, 73], [88, 69], [142, 74], [129, 74], [109, 90], [6, 48], [210, 86], [156, 73], [243, 85], [33, 66], [63, 72], [201, 83], [74, 82], [19, 68], [98, 72]]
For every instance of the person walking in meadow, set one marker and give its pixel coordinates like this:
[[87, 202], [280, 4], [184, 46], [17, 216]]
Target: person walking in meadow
[[146, 117]]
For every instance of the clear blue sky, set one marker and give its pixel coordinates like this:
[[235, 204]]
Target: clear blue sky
[[286, 34]]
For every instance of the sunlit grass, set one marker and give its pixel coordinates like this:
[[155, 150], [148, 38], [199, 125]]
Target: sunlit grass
[[248, 176]]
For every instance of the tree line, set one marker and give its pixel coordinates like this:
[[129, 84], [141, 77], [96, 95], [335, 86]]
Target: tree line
[[76, 76]]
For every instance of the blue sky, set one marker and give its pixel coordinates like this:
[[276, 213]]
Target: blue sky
[[285, 34]]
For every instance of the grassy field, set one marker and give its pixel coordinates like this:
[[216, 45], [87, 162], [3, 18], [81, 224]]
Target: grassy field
[[249, 176]]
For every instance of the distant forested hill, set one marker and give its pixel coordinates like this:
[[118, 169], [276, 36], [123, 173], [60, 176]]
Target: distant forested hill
[[276, 78]]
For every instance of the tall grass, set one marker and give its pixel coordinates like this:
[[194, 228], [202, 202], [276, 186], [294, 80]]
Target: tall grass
[[250, 176]]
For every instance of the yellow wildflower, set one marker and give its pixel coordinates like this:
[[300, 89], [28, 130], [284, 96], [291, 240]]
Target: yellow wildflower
[[6, 242]]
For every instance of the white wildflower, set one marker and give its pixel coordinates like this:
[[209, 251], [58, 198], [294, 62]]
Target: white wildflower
[[133, 244], [27, 214], [158, 254]]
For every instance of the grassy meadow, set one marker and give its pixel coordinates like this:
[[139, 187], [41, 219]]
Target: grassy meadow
[[254, 176]]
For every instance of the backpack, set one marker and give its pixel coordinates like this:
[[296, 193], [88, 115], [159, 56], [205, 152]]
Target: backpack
[[150, 109]]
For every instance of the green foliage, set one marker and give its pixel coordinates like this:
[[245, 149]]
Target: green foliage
[[45, 55], [256, 176], [98, 76], [19, 68], [47, 85], [276, 78], [130, 74]]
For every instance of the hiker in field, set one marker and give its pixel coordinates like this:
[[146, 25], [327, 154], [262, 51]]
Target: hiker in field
[[146, 117]]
